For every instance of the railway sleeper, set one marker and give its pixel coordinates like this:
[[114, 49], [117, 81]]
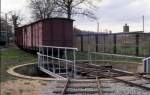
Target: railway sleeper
[[78, 81], [77, 92], [82, 92], [82, 86], [77, 87], [133, 84], [79, 84]]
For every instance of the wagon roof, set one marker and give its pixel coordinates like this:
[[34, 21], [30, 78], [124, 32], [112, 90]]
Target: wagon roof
[[48, 19]]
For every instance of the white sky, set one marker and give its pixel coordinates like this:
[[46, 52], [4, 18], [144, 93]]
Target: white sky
[[112, 14]]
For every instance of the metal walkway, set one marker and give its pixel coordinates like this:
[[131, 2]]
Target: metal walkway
[[55, 60]]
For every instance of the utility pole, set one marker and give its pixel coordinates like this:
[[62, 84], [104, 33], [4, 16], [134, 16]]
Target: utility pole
[[143, 22], [97, 26], [96, 37]]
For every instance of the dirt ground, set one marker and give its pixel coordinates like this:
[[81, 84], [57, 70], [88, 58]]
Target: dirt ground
[[23, 87]]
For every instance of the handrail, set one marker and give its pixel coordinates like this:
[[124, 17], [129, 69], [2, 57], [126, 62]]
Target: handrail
[[58, 47], [54, 57], [51, 55], [116, 55], [146, 63], [146, 58]]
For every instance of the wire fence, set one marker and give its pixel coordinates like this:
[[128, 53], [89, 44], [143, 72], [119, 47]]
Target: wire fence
[[137, 44]]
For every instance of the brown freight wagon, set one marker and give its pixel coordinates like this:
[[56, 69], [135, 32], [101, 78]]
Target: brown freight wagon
[[19, 39], [50, 32]]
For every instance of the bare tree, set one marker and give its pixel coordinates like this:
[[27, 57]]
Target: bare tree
[[67, 8], [15, 18], [42, 9], [74, 7], [5, 26]]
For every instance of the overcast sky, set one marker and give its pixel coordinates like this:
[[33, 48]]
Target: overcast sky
[[112, 14]]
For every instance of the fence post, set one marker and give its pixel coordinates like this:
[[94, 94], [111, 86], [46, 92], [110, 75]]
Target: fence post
[[104, 42], [81, 42], [74, 61], [96, 39], [137, 44], [114, 44]]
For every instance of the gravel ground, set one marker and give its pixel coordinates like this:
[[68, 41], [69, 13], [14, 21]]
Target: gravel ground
[[123, 89], [137, 80], [48, 89], [39, 87], [26, 87], [109, 87]]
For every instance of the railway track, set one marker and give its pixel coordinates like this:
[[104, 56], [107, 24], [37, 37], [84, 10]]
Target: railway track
[[97, 87], [85, 68], [80, 87], [93, 71], [134, 80], [137, 81]]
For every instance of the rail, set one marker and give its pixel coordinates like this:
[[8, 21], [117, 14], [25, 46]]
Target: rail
[[128, 82], [65, 87], [122, 80], [131, 83], [99, 86], [79, 87]]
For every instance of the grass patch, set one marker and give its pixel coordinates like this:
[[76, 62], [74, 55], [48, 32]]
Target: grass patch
[[13, 56]]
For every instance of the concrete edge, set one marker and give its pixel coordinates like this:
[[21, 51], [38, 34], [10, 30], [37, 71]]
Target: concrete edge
[[12, 72]]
